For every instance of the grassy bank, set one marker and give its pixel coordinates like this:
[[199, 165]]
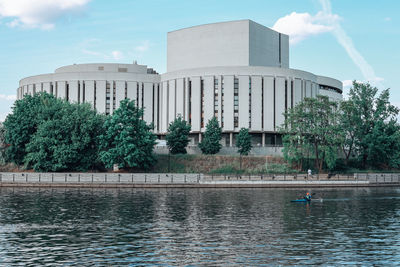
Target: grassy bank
[[217, 164]]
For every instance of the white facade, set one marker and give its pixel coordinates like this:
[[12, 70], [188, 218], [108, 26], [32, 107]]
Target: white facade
[[236, 71]]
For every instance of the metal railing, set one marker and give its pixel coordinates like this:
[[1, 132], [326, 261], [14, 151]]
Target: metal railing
[[101, 178]]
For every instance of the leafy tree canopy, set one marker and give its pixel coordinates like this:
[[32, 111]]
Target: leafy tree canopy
[[311, 130], [128, 140], [370, 126], [68, 141], [23, 122], [243, 141], [212, 136], [178, 136]]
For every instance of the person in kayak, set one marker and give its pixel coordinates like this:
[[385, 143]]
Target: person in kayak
[[307, 197]]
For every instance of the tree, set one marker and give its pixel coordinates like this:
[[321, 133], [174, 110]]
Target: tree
[[243, 143], [370, 124], [178, 136], [2, 143], [128, 140], [311, 129], [66, 142], [212, 136], [22, 123]]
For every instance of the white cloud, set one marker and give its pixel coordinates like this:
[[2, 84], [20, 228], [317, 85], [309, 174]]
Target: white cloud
[[117, 54], [143, 47], [347, 43], [8, 97], [38, 13], [302, 25], [388, 19]]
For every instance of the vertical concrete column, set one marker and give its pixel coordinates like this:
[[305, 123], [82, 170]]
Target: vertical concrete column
[[263, 139], [231, 139], [200, 137]]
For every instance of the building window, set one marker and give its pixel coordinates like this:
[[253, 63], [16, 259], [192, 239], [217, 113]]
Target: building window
[[202, 103], [190, 102], [101, 68], [249, 102], [66, 91], [222, 101], [216, 98], [122, 69], [114, 89], [236, 102], [107, 98]]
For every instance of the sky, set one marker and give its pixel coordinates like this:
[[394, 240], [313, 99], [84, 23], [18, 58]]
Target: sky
[[346, 40]]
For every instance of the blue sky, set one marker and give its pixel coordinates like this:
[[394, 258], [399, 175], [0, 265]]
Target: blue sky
[[347, 40]]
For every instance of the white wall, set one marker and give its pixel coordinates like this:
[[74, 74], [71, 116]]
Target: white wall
[[148, 102], [256, 103], [208, 107], [268, 104], [196, 99], [243, 101]]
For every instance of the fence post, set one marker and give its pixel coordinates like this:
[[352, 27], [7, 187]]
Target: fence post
[[79, 177], [198, 178], [39, 177], [145, 178], [92, 178], [105, 177], [119, 178], [132, 178], [1, 177], [376, 178], [65, 178], [172, 178], [52, 177], [185, 178], [13, 177], [158, 178]]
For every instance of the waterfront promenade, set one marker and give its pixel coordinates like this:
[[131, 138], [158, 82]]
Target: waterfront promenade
[[9, 179]]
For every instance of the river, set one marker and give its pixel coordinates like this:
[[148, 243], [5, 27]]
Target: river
[[218, 227]]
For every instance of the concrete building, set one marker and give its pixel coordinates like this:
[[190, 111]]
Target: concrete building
[[237, 71]]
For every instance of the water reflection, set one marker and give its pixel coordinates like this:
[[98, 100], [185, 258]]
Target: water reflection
[[198, 226]]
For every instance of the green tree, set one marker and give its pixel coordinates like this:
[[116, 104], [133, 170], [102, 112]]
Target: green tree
[[128, 140], [2, 144], [311, 129], [243, 143], [178, 136], [370, 124], [212, 136], [22, 123], [66, 142]]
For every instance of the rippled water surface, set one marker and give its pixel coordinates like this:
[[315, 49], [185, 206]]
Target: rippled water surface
[[242, 227]]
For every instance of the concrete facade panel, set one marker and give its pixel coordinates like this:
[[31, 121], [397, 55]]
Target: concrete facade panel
[[228, 104], [256, 103], [171, 101], [195, 104], [279, 102], [101, 96], [148, 102], [243, 99], [73, 91], [119, 92], [89, 92], [132, 91], [208, 105], [268, 104], [180, 98], [164, 107]]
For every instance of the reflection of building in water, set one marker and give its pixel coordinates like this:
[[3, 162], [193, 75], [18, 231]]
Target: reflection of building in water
[[236, 71]]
